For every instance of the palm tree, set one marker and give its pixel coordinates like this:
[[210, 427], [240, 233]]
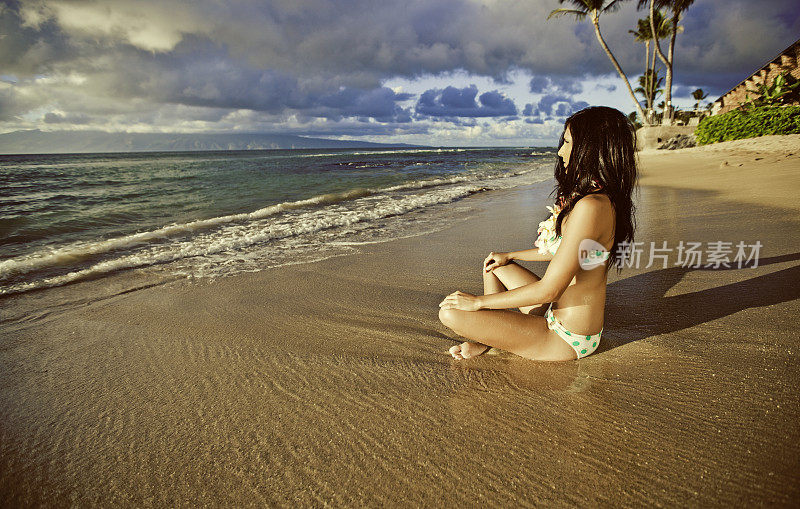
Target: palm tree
[[595, 8], [677, 7], [648, 86], [644, 33], [698, 96]]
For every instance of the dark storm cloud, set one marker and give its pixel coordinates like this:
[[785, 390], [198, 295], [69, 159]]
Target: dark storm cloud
[[532, 115], [218, 83], [361, 41], [379, 103], [26, 50], [556, 84], [607, 88], [320, 59], [57, 118], [724, 41], [539, 84], [375, 39], [529, 110], [547, 103], [460, 102], [497, 103], [201, 74], [552, 107]]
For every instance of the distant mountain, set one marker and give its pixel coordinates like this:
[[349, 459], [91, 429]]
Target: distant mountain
[[66, 142]]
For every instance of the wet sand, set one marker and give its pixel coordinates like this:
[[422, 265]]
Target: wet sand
[[330, 384]]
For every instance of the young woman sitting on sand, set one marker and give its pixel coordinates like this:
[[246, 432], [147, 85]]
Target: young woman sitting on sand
[[595, 176]]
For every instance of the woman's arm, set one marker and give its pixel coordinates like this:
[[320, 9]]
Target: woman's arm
[[530, 255], [496, 260], [583, 223]]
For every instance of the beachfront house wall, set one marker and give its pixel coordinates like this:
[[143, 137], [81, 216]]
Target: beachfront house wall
[[786, 61]]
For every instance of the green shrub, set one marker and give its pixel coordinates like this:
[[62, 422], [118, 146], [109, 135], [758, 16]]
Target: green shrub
[[748, 123]]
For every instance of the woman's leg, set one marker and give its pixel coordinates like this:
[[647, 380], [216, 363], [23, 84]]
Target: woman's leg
[[519, 333], [513, 276], [492, 283], [503, 278]]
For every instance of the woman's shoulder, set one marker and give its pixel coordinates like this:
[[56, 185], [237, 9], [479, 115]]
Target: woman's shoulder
[[592, 208], [596, 203]]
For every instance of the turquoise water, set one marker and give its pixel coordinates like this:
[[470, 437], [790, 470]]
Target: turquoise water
[[66, 217]]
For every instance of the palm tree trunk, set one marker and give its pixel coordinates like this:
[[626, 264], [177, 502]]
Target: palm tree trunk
[[655, 34], [668, 85], [646, 68], [667, 117], [596, 23], [653, 61], [653, 85]]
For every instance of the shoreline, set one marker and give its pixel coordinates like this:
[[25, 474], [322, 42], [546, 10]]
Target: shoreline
[[229, 233], [330, 382]]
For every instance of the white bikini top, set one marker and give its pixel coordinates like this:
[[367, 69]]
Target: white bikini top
[[547, 241]]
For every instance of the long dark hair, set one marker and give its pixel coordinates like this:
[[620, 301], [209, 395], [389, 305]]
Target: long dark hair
[[602, 160]]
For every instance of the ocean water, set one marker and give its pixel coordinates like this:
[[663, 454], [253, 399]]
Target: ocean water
[[64, 218]]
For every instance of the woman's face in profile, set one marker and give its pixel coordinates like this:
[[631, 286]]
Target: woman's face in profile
[[566, 148]]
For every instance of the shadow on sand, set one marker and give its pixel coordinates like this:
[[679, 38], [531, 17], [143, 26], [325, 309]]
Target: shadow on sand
[[637, 307]]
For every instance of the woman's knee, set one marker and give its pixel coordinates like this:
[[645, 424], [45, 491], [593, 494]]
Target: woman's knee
[[499, 271], [448, 317]]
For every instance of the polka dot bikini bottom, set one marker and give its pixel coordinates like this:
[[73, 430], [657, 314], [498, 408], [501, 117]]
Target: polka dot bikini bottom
[[581, 343]]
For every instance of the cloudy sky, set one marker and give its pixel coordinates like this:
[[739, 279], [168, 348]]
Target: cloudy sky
[[435, 72]]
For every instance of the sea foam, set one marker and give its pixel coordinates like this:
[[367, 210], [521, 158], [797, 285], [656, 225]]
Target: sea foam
[[204, 240]]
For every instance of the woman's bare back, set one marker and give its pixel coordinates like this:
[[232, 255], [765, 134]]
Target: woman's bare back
[[582, 305]]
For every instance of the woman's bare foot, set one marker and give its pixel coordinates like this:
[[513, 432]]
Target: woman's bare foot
[[468, 349]]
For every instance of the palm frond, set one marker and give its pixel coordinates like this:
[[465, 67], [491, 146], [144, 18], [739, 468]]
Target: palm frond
[[642, 32], [579, 15], [611, 7], [660, 4], [662, 24], [681, 5]]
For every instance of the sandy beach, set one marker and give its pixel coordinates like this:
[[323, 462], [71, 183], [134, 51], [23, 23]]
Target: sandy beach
[[329, 383]]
